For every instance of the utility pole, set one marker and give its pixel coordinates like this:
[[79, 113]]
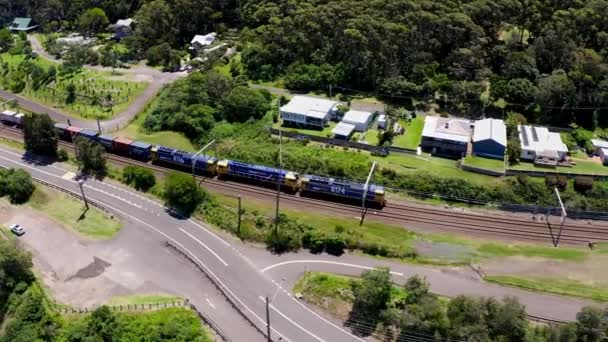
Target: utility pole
[[268, 320], [202, 150], [276, 214], [238, 228], [562, 219], [86, 203], [98, 125], [330, 91], [365, 193]]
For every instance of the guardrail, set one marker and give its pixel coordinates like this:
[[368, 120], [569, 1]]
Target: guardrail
[[220, 287]]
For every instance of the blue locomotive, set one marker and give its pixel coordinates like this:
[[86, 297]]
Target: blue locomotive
[[202, 164]]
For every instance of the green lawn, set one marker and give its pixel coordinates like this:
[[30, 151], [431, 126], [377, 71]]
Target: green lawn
[[485, 163], [413, 133], [69, 212], [581, 167], [143, 299], [91, 88], [165, 138], [325, 132], [557, 286], [437, 166]]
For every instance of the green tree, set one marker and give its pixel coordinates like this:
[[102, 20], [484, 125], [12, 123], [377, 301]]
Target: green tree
[[467, 321], [71, 96], [513, 150], [371, 294], [141, 178], [18, 185], [90, 157], [39, 134], [508, 321], [591, 324], [6, 40], [182, 193], [155, 24], [92, 21], [104, 325], [244, 103], [15, 268]]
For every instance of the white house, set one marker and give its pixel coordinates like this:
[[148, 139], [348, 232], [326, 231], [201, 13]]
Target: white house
[[201, 41], [541, 146], [310, 112], [343, 130], [361, 120]]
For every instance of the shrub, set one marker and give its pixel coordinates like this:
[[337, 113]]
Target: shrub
[[62, 155], [182, 193], [140, 178], [17, 184], [583, 183]]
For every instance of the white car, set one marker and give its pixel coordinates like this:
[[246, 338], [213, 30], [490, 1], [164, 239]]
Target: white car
[[17, 229]]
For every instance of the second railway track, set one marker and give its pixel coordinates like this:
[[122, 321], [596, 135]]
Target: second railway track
[[418, 217]]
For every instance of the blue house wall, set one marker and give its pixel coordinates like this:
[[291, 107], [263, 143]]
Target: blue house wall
[[489, 149]]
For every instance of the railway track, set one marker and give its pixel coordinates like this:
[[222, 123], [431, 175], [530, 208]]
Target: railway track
[[410, 215]]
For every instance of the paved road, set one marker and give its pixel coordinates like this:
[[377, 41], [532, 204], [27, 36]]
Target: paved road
[[156, 80], [249, 274]]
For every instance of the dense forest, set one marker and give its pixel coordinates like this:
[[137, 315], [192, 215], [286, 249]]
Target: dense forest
[[545, 59]]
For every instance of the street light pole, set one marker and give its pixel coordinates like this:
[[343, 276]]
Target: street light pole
[[365, 188], [86, 203], [202, 150]]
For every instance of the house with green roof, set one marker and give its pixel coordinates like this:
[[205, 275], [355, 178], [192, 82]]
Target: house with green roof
[[22, 24]]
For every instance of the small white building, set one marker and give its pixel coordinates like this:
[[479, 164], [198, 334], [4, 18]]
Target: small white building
[[308, 112], [541, 146], [200, 42], [343, 130], [122, 28], [382, 121], [361, 120]]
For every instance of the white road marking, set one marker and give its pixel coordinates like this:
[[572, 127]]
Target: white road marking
[[293, 322], [204, 245], [210, 232], [324, 262], [210, 304], [112, 195]]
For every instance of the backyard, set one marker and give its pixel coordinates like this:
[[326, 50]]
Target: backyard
[[413, 133], [325, 132], [485, 163], [97, 94]]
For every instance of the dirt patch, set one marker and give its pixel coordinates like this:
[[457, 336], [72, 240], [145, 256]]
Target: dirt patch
[[591, 271], [444, 251]]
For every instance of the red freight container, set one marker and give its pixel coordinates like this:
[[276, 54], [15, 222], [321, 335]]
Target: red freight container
[[72, 132], [122, 145]]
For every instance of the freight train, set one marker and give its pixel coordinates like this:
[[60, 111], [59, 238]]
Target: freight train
[[306, 184]]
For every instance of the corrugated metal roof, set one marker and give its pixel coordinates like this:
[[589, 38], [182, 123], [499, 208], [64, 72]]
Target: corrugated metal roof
[[355, 116], [541, 140], [490, 129], [9, 112], [123, 141], [599, 143], [343, 129], [309, 106], [204, 40], [447, 129], [140, 144]]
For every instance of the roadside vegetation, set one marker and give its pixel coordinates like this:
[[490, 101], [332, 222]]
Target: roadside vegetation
[[373, 305], [71, 214], [28, 314]]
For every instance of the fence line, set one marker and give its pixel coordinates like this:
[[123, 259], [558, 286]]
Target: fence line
[[481, 170], [220, 287], [537, 173], [126, 307]]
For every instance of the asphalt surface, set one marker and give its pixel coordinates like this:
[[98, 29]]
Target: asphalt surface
[[156, 80], [250, 274]]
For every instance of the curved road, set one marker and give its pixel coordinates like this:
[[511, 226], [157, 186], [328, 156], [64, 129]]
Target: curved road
[[248, 274], [157, 80]]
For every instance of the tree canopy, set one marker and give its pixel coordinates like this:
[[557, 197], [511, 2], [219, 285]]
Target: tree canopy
[[39, 134]]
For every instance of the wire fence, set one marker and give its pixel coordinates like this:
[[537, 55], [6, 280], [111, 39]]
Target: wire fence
[[140, 307]]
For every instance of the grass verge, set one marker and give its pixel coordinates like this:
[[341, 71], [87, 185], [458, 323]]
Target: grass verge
[[557, 286], [413, 133], [485, 163], [143, 299], [70, 213]]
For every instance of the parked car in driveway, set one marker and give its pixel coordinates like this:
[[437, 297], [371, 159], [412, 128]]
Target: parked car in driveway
[[17, 229]]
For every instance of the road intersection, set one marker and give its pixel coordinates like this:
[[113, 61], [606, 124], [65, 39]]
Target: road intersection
[[247, 274]]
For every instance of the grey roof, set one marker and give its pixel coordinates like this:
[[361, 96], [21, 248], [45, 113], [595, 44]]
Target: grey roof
[[343, 129], [599, 143], [22, 24], [309, 106], [539, 139], [447, 129], [490, 129], [356, 116]]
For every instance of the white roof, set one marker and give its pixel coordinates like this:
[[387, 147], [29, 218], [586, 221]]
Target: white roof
[[490, 129], [309, 106], [539, 139], [343, 129], [204, 39], [604, 151], [356, 116], [382, 117], [9, 112], [599, 143], [124, 22], [447, 129]]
